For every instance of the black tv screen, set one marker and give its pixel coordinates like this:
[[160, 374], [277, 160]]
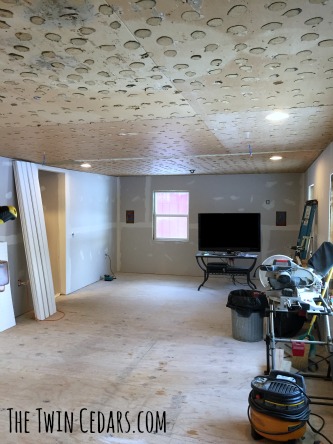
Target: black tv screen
[[229, 232]]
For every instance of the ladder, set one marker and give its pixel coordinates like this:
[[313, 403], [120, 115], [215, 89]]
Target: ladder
[[304, 236]]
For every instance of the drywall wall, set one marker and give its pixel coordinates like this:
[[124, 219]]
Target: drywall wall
[[91, 222], [262, 193], [91, 227], [53, 193], [90, 230]]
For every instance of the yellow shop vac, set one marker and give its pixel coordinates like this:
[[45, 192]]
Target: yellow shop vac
[[278, 407]]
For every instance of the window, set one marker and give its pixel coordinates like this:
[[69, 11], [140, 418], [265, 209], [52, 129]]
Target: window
[[170, 217]]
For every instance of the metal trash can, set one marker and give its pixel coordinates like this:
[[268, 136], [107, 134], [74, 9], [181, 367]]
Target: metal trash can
[[248, 309]]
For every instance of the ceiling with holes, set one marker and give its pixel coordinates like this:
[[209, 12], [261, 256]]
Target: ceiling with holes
[[166, 87]]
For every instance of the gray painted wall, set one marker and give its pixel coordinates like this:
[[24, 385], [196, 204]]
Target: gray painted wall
[[231, 193]]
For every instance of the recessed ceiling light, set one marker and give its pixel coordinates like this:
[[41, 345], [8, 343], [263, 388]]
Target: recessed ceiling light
[[85, 165], [276, 116], [276, 157]]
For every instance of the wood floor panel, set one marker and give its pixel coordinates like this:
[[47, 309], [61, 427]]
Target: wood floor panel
[[141, 343]]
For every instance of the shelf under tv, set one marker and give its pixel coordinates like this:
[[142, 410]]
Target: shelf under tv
[[225, 266]]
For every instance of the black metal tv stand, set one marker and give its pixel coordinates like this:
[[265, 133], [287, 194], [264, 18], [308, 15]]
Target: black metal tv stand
[[219, 263]]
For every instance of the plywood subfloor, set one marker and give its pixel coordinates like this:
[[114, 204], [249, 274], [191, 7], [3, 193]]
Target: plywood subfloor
[[141, 343]]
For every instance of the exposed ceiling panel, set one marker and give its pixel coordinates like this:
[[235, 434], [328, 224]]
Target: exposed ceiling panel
[[162, 87]]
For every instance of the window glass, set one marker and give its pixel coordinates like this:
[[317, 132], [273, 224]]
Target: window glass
[[170, 217]]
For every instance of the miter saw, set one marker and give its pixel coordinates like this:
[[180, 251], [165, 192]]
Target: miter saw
[[300, 290], [292, 287]]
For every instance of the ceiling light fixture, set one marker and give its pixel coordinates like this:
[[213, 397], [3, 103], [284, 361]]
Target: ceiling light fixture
[[276, 157], [277, 116], [85, 165]]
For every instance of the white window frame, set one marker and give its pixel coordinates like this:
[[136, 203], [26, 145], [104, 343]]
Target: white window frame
[[155, 215]]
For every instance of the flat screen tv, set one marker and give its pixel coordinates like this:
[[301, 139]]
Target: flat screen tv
[[229, 232]]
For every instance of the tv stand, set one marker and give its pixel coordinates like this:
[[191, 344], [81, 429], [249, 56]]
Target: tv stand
[[226, 266]]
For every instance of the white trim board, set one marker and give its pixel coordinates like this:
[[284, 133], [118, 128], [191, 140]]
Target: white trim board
[[35, 238]]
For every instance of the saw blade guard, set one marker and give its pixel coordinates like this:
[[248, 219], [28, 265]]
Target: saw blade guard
[[279, 272]]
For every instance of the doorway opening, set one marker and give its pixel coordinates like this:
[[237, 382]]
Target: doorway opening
[[53, 192]]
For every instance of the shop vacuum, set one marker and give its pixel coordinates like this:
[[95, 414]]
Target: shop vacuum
[[278, 407]]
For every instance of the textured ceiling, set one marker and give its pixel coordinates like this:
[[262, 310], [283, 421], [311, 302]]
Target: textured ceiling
[[163, 87]]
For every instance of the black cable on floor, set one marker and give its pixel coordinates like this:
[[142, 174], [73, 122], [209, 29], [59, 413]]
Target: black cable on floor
[[318, 432], [112, 273]]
